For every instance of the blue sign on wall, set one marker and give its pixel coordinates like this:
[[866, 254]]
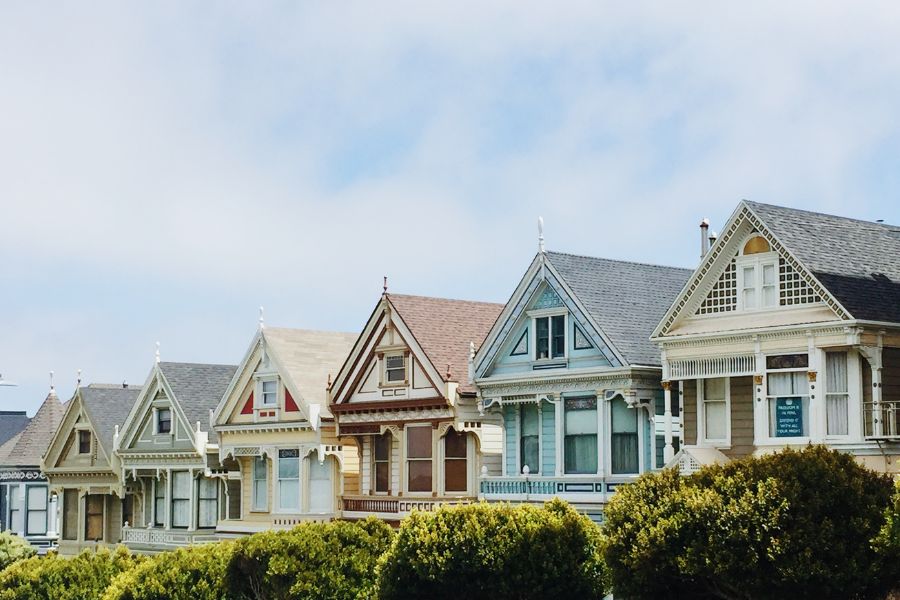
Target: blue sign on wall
[[788, 417]]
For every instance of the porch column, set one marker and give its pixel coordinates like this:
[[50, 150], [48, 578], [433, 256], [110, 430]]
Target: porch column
[[52, 513], [192, 521], [168, 524], [877, 413], [560, 435], [668, 449]]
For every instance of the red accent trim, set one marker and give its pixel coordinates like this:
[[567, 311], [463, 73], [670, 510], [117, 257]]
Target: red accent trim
[[248, 407], [289, 404]]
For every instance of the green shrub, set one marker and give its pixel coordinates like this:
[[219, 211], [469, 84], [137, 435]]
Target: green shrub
[[887, 543], [496, 551], [13, 548], [314, 560], [194, 572], [83, 577], [795, 524]]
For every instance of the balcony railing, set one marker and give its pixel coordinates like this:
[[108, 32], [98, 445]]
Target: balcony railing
[[587, 488], [156, 537], [395, 505], [882, 419]]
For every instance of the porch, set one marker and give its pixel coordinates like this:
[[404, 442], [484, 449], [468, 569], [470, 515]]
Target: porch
[[575, 489], [394, 508], [156, 539]]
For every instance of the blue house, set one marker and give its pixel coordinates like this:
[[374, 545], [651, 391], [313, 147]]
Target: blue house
[[570, 372]]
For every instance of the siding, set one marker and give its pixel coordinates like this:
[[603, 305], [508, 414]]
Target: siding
[[548, 438], [690, 411], [491, 448], [742, 393], [509, 424]]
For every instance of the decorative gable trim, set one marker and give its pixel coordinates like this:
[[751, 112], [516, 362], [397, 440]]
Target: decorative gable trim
[[248, 406], [70, 423], [708, 274], [155, 383], [289, 404]]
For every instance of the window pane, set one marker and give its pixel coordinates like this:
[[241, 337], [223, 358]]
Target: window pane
[[836, 413], [715, 420], [624, 419], [542, 337], [530, 454], [70, 515], [529, 419], [181, 485], [581, 454], [787, 361], [84, 442], [382, 477], [418, 442], [289, 468], [382, 447], [260, 468], [624, 453], [787, 384], [289, 494], [770, 296], [581, 415], [455, 475], [419, 475], [93, 507], [270, 392], [714, 389], [559, 336], [836, 372], [455, 445]]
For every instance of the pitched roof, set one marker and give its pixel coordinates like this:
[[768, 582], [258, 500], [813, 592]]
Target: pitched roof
[[198, 388], [625, 299], [108, 405], [445, 328], [35, 438], [857, 261], [11, 423], [309, 357]]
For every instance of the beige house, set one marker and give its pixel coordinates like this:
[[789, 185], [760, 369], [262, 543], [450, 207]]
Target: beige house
[[404, 400], [83, 470], [276, 435], [788, 333]]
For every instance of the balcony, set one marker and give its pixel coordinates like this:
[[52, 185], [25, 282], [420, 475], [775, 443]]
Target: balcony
[[157, 539], [393, 508], [882, 420], [578, 489]]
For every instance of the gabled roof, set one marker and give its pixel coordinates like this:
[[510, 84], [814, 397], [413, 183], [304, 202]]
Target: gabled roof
[[198, 388], [35, 438], [444, 329], [625, 299], [858, 262], [107, 406], [11, 423]]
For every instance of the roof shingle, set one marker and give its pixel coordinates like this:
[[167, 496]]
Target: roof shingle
[[35, 438], [108, 405], [11, 423], [198, 388]]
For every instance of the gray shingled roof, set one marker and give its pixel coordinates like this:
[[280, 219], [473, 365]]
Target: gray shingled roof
[[108, 405], [625, 299], [11, 423], [36, 437], [857, 261], [198, 388]]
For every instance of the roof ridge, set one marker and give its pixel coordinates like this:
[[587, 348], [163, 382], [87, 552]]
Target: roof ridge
[[753, 203], [623, 262], [392, 295]]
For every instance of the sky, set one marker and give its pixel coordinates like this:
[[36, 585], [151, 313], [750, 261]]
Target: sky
[[168, 167]]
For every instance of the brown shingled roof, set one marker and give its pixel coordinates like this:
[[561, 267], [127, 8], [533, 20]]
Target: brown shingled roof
[[444, 328], [34, 439]]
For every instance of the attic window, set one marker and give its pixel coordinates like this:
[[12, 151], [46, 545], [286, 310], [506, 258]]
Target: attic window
[[84, 442], [756, 245], [395, 368], [269, 393], [164, 420]]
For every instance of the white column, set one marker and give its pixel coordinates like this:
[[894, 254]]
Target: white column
[[877, 413], [168, 499], [560, 435], [192, 521], [52, 513], [668, 449]]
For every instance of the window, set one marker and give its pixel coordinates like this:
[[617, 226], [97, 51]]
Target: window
[[260, 483], [181, 499], [163, 420], [159, 502], [529, 445], [550, 337], [758, 282], [382, 461], [456, 477], [93, 517], [128, 509], [714, 394], [581, 435], [70, 515], [289, 479], [624, 439], [207, 502], [269, 393], [837, 395], [661, 449], [15, 508], [84, 442], [36, 509], [395, 368], [787, 388], [418, 458]]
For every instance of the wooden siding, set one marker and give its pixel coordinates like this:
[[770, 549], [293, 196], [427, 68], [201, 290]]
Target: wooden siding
[[742, 393], [690, 411]]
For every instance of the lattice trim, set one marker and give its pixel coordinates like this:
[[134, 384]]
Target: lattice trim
[[723, 296]]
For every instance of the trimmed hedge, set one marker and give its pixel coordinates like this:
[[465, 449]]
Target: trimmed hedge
[[497, 551], [83, 577], [12, 549]]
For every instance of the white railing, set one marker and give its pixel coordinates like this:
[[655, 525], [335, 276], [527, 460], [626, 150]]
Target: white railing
[[882, 419], [158, 537], [719, 366], [590, 488]]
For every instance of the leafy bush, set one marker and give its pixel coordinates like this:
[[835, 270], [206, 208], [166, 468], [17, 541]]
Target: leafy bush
[[495, 551], [314, 560], [13, 548], [51, 577], [194, 572], [887, 543], [795, 524]]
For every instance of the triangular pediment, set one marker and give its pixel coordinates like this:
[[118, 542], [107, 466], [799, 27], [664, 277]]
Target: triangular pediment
[[715, 296], [141, 431], [64, 451]]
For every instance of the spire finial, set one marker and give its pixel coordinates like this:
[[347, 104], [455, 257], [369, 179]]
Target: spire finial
[[385, 284], [449, 372], [262, 321], [328, 387], [52, 388], [157, 352], [541, 234], [78, 379]]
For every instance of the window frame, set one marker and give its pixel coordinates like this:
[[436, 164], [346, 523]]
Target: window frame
[[27, 510], [262, 382], [278, 479], [520, 446], [549, 314], [464, 459], [256, 481], [598, 406], [88, 515], [758, 262], [90, 442], [385, 381], [376, 461], [159, 499], [157, 430], [702, 438], [766, 438], [853, 395], [191, 481], [430, 460], [214, 499], [641, 466]]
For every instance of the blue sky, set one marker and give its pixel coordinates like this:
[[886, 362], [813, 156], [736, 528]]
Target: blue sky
[[167, 167]]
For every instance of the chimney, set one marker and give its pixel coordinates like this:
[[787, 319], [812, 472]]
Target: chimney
[[704, 237], [713, 236]]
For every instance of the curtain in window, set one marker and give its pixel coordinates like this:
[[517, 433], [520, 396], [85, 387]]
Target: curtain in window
[[624, 442], [580, 444], [529, 448], [788, 384], [836, 396], [208, 502], [260, 483], [456, 474], [289, 480], [383, 444], [181, 499], [37, 510], [788, 404]]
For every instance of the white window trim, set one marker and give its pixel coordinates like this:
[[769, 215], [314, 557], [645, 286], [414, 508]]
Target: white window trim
[[253, 480], [407, 365], [548, 314], [854, 397], [390, 465], [606, 464], [435, 485], [156, 430], [276, 479], [763, 438], [259, 396], [702, 440], [758, 261]]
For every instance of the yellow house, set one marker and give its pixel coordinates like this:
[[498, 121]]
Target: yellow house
[[276, 435]]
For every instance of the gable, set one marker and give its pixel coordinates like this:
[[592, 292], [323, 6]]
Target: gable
[[140, 431], [63, 452], [748, 279]]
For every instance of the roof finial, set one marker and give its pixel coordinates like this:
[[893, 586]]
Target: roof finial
[[78, 384], [385, 284], [52, 388], [328, 387], [262, 321], [157, 352], [449, 372], [541, 234]]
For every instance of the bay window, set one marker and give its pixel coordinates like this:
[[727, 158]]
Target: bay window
[[456, 477], [181, 499], [624, 457], [289, 480], [580, 443], [260, 484], [418, 458], [529, 444], [837, 396], [787, 391]]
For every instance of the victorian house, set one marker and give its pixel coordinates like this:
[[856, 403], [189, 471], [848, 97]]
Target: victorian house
[[277, 436], [404, 402], [169, 457], [26, 506], [83, 470], [788, 333], [570, 372]]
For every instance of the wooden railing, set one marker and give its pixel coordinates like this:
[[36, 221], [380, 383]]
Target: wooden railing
[[396, 505]]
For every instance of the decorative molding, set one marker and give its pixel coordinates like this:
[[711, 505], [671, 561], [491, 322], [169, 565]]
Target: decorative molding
[[397, 415], [22, 476]]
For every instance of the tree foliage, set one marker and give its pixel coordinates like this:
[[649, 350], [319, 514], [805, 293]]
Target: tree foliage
[[12, 549], [495, 551], [795, 524]]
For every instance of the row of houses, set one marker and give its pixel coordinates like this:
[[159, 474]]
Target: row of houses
[[594, 371]]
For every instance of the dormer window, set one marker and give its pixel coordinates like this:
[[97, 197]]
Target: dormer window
[[550, 337], [757, 275], [164, 420], [395, 368], [269, 393], [84, 442]]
